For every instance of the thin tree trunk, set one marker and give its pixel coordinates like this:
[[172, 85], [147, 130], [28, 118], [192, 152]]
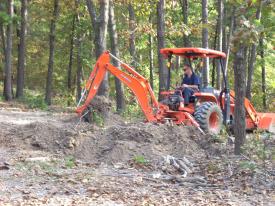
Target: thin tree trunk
[[120, 101], [220, 38], [3, 42], [205, 72], [224, 25], [252, 60], [184, 8], [262, 53], [239, 111], [2, 34], [48, 97], [132, 38], [70, 65], [151, 60], [22, 51], [231, 29], [3, 39], [79, 67], [100, 25], [79, 71], [163, 72], [8, 65], [214, 60], [151, 52]]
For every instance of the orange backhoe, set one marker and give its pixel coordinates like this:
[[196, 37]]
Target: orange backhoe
[[208, 109]]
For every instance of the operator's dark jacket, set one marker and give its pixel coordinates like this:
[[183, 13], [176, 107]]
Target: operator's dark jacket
[[187, 92]]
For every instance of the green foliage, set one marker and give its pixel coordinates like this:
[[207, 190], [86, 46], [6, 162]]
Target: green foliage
[[222, 136], [257, 147], [34, 100], [248, 165], [132, 111], [97, 118], [70, 162], [140, 159]]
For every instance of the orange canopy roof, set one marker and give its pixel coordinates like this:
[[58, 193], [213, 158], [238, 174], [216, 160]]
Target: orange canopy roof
[[193, 52]]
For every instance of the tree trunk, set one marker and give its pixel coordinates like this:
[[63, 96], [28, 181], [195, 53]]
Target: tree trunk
[[100, 25], [205, 72], [213, 79], [132, 38], [151, 60], [120, 102], [261, 44], [2, 34], [8, 64], [163, 72], [48, 97], [184, 8], [239, 111], [224, 25], [79, 72], [22, 51], [220, 43], [252, 59], [69, 73], [231, 29], [79, 68]]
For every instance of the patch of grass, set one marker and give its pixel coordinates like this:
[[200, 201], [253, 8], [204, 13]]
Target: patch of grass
[[97, 118], [248, 165], [140, 159], [70, 162], [33, 100], [222, 136], [132, 111]]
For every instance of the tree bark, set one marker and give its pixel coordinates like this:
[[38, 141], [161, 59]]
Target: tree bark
[[231, 29], [213, 79], [100, 25], [151, 53], [22, 51], [70, 65], [48, 97], [120, 101], [252, 60], [184, 8], [2, 34], [205, 72], [78, 67], [151, 60], [132, 38], [220, 43], [79, 71], [8, 60], [262, 53], [239, 111], [163, 72]]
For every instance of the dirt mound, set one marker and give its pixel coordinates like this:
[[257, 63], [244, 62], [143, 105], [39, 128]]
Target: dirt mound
[[119, 143], [116, 142], [123, 143]]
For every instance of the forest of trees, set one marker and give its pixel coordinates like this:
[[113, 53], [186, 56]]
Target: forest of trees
[[48, 48]]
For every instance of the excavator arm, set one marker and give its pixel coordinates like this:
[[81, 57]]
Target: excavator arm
[[136, 82], [255, 119]]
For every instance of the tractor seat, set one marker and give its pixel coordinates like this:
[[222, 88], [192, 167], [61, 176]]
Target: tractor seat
[[211, 90]]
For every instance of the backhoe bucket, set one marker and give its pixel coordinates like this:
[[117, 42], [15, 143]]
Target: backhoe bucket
[[267, 121]]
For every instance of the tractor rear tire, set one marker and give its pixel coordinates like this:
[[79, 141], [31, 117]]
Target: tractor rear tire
[[209, 116]]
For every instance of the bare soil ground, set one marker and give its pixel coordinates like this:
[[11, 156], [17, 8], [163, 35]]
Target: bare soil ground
[[49, 158]]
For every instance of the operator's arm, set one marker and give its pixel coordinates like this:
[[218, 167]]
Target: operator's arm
[[195, 83], [190, 86]]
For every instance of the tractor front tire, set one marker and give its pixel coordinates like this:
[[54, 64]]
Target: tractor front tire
[[209, 116]]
